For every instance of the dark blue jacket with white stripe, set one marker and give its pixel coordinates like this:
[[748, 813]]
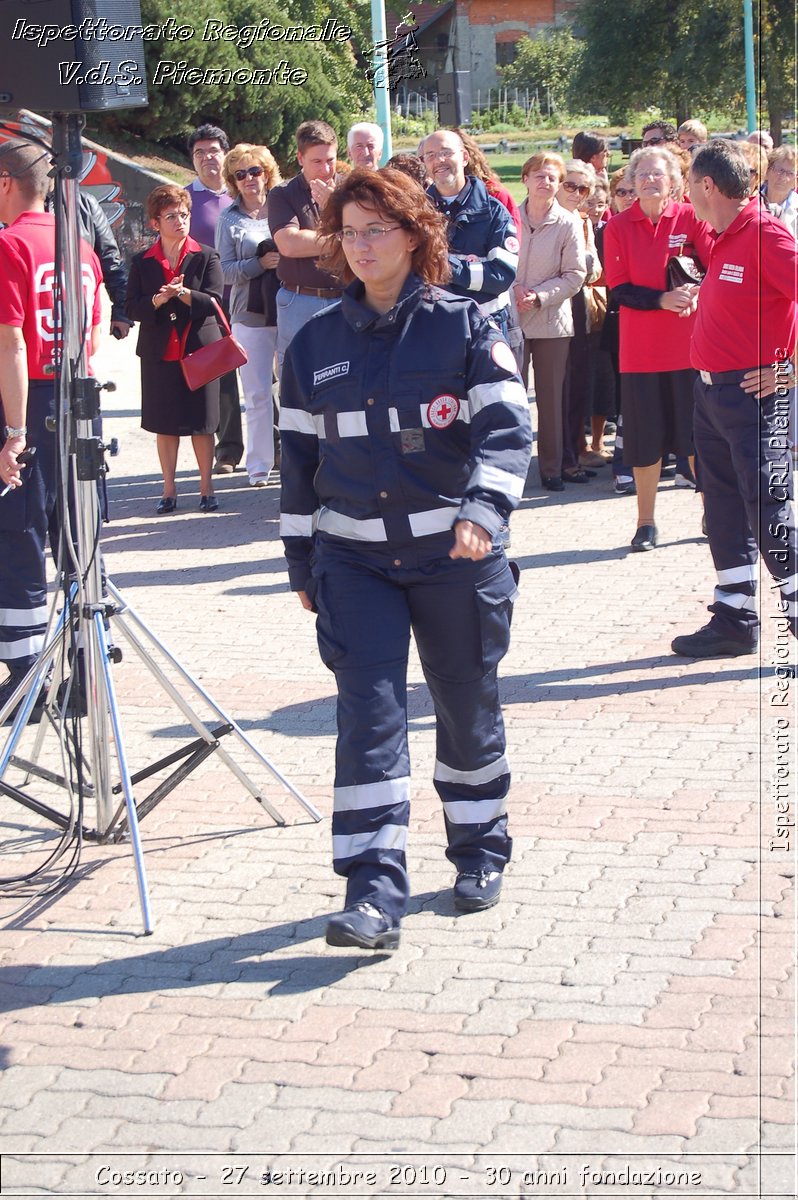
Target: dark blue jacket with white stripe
[[480, 225], [395, 426]]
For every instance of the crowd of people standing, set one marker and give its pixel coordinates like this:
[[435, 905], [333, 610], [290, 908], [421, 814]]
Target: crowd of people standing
[[408, 312]]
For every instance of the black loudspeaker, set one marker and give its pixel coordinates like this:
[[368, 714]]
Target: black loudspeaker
[[72, 56], [454, 98]]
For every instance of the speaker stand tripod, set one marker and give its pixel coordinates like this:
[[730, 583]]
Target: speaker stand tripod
[[92, 604]]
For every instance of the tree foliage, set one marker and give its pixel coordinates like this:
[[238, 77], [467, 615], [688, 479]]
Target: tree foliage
[[680, 56], [335, 89], [776, 36], [546, 64]]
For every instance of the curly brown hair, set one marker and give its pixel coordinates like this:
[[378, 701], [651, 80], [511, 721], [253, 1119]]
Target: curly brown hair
[[397, 198], [165, 196]]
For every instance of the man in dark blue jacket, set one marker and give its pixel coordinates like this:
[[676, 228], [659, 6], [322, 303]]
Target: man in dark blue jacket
[[483, 240]]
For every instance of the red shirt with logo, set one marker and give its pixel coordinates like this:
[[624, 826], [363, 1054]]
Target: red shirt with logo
[[747, 303], [637, 251], [27, 275]]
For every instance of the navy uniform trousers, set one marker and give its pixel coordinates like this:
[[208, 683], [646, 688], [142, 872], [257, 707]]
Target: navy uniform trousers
[[745, 471], [459, 612], [26, 514]]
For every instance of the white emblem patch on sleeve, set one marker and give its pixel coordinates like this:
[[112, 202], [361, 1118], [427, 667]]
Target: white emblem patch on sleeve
[[512, 244], [503, 357]]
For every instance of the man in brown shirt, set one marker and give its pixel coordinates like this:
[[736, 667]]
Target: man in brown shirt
[[294, 211]]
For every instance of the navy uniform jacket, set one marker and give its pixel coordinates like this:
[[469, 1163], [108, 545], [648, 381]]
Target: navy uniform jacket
[[395, 426], [479, 224]]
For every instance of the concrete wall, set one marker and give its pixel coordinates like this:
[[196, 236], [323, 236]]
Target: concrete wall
[[120, 184]]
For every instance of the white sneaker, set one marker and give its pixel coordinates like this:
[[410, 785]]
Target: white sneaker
[[682, 481], [258, 480]]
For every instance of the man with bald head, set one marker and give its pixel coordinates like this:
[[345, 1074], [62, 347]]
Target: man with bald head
[[28, 356], [483, 240]]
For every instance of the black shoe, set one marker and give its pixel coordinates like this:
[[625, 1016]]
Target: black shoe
[[645, 538], [166, 504], [7, 689], [475, 890], [709, 643], [363, 925], [624, 486], [208, 504], [580, 476], [552, 483]]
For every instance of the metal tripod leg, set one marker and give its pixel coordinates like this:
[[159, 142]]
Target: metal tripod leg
[[112, 709], [124, 617]]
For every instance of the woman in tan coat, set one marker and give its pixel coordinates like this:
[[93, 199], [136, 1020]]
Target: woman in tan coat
[[551, 270]]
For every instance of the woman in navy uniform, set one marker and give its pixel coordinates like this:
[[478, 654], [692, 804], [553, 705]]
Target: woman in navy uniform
[[406, 441]]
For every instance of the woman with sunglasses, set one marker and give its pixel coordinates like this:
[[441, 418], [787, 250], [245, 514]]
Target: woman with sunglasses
[[575, 191], [406, 439], [171, 286], [656, 324], [250, 173]]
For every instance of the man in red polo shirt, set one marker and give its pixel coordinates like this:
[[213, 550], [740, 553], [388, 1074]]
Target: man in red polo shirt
[[743, 347], [28, 324]]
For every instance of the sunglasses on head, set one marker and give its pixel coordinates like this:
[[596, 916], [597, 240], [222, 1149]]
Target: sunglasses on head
[[254, 172], [581, 188]]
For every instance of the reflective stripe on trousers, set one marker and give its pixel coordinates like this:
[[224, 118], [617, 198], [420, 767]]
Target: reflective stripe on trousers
[[459, 613]]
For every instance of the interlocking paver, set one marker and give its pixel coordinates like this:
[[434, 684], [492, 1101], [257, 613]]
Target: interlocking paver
[[609, 1003]]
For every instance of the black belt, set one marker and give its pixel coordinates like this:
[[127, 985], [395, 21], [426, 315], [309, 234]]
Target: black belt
[[716, 378]]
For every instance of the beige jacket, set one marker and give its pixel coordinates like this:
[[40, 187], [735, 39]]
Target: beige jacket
[[552, 264]]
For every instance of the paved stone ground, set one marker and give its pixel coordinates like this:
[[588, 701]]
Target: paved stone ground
[[628, 1006]]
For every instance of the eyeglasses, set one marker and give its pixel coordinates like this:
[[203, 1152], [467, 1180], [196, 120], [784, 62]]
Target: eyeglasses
[[174, 217], [219, 153], [372, 233], [434, 155], [253, 172], [581, 188], [785, 174], [651, 174], [654, 141], [624, 191]]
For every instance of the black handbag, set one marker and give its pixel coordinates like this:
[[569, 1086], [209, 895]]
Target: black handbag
[[264, 288], [683, 269]]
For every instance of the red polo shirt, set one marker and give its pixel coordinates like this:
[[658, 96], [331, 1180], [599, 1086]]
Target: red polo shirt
[[637, 251], [747, 303], [27, 301]]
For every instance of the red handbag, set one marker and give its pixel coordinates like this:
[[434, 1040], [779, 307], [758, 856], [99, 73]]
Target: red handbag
[[211, 362]]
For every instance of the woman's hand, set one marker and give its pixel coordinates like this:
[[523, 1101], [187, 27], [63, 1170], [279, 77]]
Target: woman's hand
[[269, 261], [304, 600], [526, 301], [470, 541], [169, 291], [681, 300]]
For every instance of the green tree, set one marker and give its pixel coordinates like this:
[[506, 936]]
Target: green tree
[[546, 64], [334, 90], [776, 61], [682, 56]]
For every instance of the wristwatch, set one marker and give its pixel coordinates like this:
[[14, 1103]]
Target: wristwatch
[[183, 292], [16, 431]]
